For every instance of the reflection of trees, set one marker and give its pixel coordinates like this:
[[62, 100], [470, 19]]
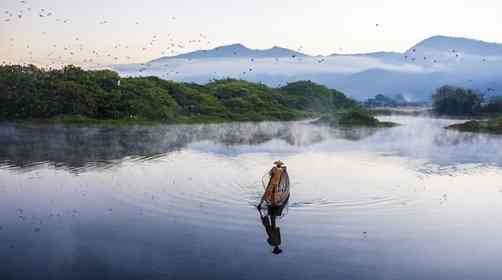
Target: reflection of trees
[[453, 138], [355, 134], [77, 147]]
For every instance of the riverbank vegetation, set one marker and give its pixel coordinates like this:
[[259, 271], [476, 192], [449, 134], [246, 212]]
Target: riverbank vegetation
[[74, 95], [459, 102], [493, 126], [456, 101]]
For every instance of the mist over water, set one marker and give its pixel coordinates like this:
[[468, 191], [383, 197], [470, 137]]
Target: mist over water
[[175, 202]]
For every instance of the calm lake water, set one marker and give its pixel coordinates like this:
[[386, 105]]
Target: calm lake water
[[176, 202]]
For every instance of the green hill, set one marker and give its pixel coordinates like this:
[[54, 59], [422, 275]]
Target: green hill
[[71, 93]]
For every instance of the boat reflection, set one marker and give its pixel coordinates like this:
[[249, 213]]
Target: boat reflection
[[268, 217]]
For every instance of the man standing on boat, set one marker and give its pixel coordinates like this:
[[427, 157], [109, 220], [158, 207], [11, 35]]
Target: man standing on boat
[[273, 195]]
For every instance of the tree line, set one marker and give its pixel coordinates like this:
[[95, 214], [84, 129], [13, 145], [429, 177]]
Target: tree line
[[29, 92], [457, 101]]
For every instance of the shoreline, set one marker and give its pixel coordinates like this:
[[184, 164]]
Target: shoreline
[[488, 126], [78, 121]]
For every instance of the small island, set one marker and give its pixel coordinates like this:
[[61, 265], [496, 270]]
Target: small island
[[492, 126], [353, 118], [458, 102]]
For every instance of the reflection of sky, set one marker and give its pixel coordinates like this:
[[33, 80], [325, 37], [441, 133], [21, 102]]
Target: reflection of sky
[[388, 204], [422, 139]]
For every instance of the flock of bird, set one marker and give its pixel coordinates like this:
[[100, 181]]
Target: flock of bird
[[76, 51], [413, 55]]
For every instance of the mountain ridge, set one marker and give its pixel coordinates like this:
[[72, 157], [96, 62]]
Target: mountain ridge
[[440, 43], [415, 73], [236, 50], [458, 45]]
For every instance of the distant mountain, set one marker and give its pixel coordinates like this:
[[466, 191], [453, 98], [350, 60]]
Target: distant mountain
[[368, 83], [436, 43], [415, 73], [459, 45], [236, 50]]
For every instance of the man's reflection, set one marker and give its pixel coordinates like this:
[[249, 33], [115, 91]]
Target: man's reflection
[[268, 218]]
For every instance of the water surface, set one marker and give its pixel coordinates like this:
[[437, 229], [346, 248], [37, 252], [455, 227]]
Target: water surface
[[176, 202]]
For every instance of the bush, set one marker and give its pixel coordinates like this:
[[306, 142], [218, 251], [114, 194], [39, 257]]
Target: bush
[[356, 117], [455, 101]]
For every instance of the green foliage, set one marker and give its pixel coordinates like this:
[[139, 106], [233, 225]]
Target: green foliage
[[28, 92], [140, 97], [308, 96], [493, 126], [455, 101], [75, 95], [356, 117], [194, 100]]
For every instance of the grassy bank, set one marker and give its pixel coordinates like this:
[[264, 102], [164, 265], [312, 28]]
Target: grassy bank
[[82, 120], [492, 126]]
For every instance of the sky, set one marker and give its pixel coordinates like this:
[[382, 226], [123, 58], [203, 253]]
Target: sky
[[95, 32]]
